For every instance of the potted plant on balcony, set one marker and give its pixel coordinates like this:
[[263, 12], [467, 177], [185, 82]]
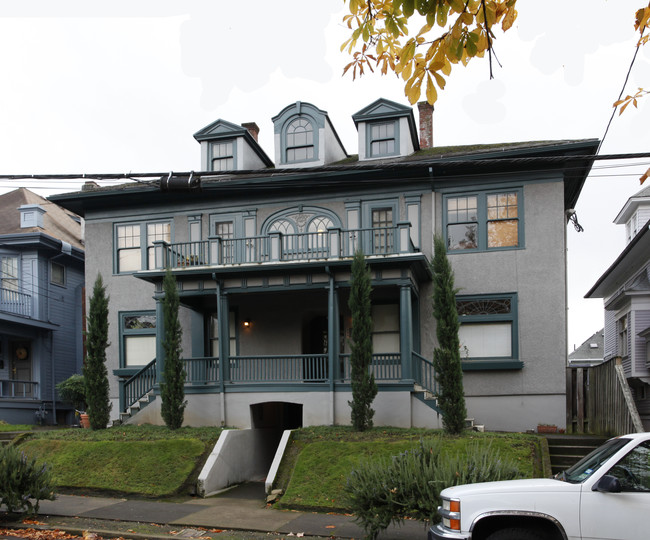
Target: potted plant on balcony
[[73, 391]]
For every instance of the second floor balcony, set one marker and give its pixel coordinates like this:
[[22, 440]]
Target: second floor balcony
[[278, 247], [15, 302]]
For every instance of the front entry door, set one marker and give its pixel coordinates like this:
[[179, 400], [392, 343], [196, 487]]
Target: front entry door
[[315, 343], [21, 368]]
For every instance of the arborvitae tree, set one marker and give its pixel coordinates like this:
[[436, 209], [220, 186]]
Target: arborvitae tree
[[172, 389], [364, 388], [446, 357], [94, 370]]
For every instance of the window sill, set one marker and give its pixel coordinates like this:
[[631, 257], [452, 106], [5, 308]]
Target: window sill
[[492, 365]]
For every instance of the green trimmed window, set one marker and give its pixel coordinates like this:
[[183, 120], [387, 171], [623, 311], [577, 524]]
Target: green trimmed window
[[488, 331], [382, 139], [222, 155], [129, 239], [137, 338], [484, 221], [300, 141]]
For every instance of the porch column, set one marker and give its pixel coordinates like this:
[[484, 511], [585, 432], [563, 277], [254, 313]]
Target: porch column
[[406, 332], [332, 332], [160, 336], [224, 339]]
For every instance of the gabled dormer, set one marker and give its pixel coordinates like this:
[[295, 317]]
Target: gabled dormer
[[229, 147], [635, 213], [386, 129], [305, 137]]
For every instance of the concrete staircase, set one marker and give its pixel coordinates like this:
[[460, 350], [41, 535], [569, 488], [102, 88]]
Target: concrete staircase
[[7, 436], [566, 450], [135, 408]]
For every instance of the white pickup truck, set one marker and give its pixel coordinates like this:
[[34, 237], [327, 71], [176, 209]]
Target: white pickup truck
[[606, 495]]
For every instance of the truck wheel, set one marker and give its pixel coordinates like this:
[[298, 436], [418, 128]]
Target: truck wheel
[[516, 533]]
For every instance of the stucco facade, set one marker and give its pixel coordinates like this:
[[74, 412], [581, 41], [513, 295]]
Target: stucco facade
[[262, 260]]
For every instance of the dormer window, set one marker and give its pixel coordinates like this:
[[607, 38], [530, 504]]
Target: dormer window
[[222, 155], [386, 129], [229, 147], [382, 139], [304, 137], [300, 141]]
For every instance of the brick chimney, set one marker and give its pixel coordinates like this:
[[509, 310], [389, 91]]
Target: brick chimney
[[425, 111], [252, 128]]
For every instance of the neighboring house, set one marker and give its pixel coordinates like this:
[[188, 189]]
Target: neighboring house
[[590, 353], [262, 257], [41, 298], [625, 290]]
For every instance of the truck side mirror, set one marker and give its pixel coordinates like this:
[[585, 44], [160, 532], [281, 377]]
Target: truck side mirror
[[607, 484]]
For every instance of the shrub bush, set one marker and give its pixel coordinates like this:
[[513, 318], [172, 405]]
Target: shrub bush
[[23, 484], [73, 391], [408, 486]]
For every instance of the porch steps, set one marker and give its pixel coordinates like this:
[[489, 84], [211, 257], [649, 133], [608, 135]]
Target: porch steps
[[426, 396], [566, 450], [6, 437], [135, 408]]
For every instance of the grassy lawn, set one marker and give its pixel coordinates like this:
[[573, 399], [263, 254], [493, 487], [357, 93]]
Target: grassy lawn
[[319, 460], [14, 427], [152, 461]]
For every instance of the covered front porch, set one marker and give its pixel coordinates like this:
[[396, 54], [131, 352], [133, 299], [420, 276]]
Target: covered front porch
[[286, 329]]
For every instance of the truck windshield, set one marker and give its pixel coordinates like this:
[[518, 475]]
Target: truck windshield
[[592, 462]]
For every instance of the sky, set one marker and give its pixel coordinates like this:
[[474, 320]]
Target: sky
[[121, 86]]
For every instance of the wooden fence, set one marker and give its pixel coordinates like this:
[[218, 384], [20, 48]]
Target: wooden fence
[[600, 401]]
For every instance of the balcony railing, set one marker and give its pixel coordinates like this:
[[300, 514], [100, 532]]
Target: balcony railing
[[279, 247], [15, 302], [16, 389]]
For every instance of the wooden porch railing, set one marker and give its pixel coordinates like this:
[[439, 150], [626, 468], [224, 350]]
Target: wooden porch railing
[[276, 369], [385, 367], [138, 385], [424, 373], [277, 247], [15, 302], [17, 389], [599, 400]]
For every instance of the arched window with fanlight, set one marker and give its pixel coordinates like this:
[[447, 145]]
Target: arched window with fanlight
[[304, 231], [318, 237], [299, 141], [288, 230]]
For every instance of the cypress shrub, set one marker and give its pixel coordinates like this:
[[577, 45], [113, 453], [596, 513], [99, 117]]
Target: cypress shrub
[[94, 370], [364, 388], [172, 389], [446, 357]]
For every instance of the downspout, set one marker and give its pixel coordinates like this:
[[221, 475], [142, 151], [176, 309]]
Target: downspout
[[222, 374]]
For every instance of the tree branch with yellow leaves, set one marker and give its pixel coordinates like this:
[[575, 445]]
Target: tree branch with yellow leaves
[[380, 38]]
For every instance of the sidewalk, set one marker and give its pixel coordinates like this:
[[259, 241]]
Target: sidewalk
[[240, 509]]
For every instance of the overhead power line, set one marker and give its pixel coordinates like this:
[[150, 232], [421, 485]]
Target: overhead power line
[[432, 161]]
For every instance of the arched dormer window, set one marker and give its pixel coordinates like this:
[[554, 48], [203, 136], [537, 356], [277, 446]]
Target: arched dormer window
[[299, 141]]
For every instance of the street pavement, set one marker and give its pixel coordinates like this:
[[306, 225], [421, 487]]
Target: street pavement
[[242, 508]]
